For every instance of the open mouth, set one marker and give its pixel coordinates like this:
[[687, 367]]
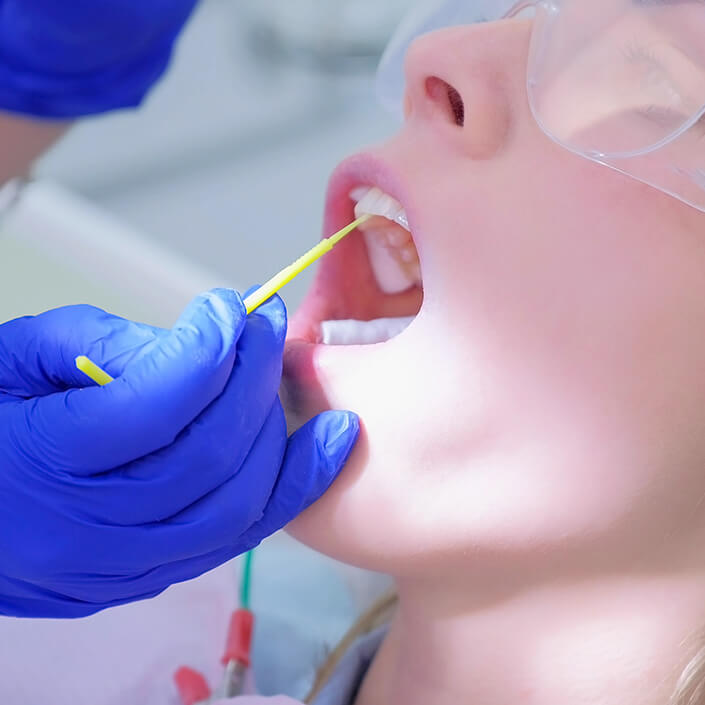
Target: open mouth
[[354, 331], [394, 262], [370, 289]]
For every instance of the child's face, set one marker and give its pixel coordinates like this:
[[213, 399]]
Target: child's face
[[550, 395]]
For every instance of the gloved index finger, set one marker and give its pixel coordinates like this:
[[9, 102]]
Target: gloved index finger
[[86, 431]]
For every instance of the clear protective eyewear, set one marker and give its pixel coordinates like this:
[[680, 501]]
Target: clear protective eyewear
[[620, 82]]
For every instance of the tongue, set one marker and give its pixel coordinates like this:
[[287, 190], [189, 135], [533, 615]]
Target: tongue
[[362, 332]]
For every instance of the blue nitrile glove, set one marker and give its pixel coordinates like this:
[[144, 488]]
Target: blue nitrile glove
[[111, 494], [67, 59]]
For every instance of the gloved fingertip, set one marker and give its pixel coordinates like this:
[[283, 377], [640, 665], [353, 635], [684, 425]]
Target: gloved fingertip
[[237, 305], [341, 434], [231, 297], [218, 311], [226, 304], [274, 310]]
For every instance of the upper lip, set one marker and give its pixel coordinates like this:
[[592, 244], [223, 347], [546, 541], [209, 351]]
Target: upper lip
[[363, 169]]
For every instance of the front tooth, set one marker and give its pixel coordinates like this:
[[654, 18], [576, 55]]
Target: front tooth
[[374, 201], [401, 219], [357, 194]]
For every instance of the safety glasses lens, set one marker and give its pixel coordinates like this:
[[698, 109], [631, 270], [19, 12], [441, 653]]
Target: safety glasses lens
[[617, 77]]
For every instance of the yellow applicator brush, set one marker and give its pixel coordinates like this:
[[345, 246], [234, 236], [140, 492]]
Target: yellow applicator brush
[[254, 300], [266, 291]]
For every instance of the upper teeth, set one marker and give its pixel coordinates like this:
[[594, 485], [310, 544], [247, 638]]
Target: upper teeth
[[392, 253], [394, 261], [374, 201]]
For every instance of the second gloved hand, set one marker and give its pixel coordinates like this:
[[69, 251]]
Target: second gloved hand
[[111, 494], [69, 59]]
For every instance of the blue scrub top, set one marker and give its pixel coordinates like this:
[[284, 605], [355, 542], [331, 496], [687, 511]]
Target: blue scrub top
[[343, 686]]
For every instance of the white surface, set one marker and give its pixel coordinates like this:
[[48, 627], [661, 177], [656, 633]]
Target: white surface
[[58, 249]]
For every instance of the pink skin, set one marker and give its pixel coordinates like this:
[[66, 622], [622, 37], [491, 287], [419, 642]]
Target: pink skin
[[532, 463]]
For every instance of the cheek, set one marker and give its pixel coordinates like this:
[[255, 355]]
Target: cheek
[[598, 328]]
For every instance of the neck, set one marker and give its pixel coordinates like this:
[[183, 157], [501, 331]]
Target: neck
[[622, 640]]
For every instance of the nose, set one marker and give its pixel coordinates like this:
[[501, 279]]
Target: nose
[[469, 84]]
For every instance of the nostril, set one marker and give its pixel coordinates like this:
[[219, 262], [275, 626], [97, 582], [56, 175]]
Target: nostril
[[457, 106], [448, 98]]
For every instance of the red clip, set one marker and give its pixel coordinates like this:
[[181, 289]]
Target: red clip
[[192, 686], [237, 647]]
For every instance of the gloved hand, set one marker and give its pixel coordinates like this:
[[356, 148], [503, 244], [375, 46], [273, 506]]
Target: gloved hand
[[111, 494], [67, 59]]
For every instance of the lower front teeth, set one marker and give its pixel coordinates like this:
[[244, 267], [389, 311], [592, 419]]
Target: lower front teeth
[[362, 332]]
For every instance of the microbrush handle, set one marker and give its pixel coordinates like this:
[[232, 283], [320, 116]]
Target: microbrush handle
[[90, 369], [254, 300], [266, 291]]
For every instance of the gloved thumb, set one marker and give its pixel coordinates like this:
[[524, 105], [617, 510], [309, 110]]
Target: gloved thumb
[[315, 456], [95, 429]]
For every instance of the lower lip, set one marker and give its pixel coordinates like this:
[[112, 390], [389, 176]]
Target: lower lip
[[299, 360], [303, 390]]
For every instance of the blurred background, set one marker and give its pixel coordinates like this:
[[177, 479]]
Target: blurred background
[[225, 165], [219, 179]]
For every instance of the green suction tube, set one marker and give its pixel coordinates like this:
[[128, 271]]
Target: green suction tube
[[246, 581]]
